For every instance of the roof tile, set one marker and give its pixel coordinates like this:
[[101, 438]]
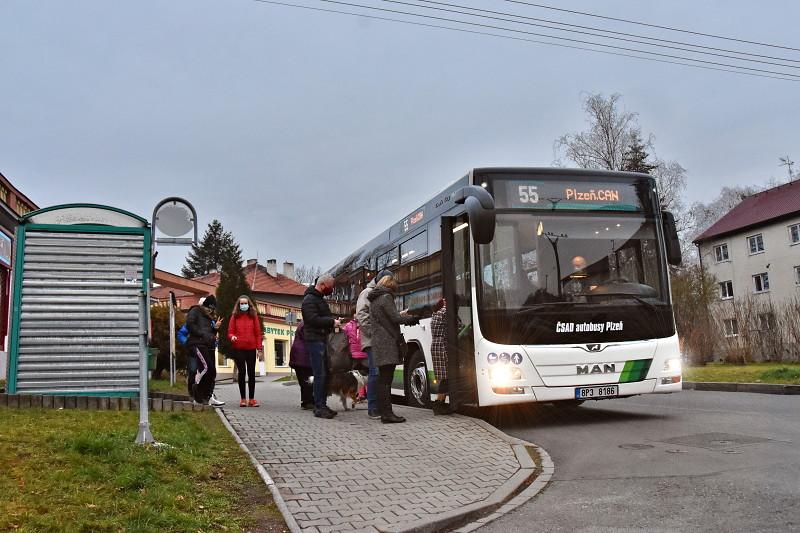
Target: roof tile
[[757, 209]]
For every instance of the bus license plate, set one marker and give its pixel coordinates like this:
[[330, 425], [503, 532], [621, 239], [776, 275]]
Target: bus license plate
[[606, 391]]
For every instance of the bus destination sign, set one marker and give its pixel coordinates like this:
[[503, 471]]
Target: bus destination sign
[[566, 194]]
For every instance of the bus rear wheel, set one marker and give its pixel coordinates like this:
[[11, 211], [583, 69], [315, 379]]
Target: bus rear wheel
[[417, 389]]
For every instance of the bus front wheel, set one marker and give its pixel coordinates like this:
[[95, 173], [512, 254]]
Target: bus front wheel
[[417, 389]]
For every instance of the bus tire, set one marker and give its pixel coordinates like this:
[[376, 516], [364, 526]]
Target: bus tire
[[417, 387]]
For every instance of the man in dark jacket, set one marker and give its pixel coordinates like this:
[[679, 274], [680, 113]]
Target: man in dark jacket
[[201, 346], [319, 321]]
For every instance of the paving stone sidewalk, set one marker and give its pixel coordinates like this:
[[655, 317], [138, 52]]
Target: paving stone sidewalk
[[356, 474]]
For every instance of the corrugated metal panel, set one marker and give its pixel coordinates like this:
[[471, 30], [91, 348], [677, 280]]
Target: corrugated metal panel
[[79, 321]]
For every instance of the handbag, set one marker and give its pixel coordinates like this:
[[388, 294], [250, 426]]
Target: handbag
[[402, 347], [338, 352]]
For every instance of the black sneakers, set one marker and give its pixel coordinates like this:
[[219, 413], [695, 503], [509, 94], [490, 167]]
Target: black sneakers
[[307, 406], [327, 412], [441, 408], [374, 414], [392, 419]]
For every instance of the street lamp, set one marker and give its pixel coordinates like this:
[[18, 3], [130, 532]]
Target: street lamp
[[175, 218]]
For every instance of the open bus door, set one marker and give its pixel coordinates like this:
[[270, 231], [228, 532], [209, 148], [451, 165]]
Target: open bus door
[[457, 290], [458, 232]]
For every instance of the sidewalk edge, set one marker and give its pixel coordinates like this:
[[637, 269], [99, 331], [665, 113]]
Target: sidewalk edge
[[757, 388], [501, 501], [291, 523]]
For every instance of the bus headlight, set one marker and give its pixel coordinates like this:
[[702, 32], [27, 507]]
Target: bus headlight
[[672, 365], [501, 376]]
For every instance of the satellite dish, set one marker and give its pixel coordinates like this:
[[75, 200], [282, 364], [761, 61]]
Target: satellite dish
[[175, 218]]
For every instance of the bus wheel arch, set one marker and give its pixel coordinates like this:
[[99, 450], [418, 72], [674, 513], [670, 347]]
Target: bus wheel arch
[[417, 388]]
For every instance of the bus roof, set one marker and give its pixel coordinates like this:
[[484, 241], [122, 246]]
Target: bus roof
[[441, 203]]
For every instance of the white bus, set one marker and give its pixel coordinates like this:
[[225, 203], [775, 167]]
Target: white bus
[[558, 280]]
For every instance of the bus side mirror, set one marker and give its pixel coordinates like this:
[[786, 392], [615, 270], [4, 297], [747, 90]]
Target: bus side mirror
[[480, 210], [671, 238]]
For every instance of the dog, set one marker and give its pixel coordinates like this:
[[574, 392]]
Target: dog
[[345, 385]]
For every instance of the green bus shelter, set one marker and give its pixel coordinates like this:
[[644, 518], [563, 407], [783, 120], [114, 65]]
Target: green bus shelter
[[79, 274]]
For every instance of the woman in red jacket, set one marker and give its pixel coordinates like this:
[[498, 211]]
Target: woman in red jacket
[[246, 335]]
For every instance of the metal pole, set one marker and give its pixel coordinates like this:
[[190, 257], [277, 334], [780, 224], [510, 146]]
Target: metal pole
[[144, 436], [171, 339]]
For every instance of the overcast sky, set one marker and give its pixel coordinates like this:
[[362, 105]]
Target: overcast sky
[[308, 133]]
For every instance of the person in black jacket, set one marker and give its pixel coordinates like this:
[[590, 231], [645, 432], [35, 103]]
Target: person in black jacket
[[201, 345], [319, 322]]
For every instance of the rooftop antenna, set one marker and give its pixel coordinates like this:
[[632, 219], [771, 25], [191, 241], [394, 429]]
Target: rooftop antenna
[[788, 163]]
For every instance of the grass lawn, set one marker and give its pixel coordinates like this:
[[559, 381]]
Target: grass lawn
[[80, 471], [162, 385], [784, 373], [285, 378]]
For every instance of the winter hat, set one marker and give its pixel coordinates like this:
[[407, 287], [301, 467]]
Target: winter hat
[[209, 301], [383, 273]]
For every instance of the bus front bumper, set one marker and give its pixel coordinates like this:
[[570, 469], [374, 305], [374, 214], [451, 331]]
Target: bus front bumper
[[647, 386]]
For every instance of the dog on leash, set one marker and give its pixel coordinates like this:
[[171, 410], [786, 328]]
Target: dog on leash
[[345, 385]]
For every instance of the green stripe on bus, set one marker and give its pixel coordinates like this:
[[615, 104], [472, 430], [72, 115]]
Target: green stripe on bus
[[635, 370], [398, 380]]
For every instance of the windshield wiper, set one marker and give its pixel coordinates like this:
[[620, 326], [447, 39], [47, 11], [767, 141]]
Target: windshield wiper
[[538, 307], [637, 298]]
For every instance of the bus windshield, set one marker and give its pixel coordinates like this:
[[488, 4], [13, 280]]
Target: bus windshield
[[553, 278]]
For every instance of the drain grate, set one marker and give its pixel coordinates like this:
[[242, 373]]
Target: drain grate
[[715, 441]]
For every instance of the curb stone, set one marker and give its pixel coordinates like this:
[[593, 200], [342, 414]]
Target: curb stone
[[526, 495], [276, 495], [758, 388]]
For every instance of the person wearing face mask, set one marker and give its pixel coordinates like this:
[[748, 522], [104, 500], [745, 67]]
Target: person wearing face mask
[[246, 334], [319, 321]]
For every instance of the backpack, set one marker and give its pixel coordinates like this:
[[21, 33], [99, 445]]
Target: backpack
[[183, 335]]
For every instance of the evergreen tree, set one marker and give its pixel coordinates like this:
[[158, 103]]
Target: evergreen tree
[[209, 254], [635, 157], [232, 284]]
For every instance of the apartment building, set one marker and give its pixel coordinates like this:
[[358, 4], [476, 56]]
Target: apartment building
[[754, 254]]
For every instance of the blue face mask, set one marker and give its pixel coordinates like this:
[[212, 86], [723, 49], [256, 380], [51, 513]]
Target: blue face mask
[[244, 307]]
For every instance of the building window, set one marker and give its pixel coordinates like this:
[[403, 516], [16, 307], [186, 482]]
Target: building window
[[797, 275], [721, 252], [766, 321], [731, 327], [726, 290], [794, 233], [4, 193], [280, 353], [756, 244], [761, 282]]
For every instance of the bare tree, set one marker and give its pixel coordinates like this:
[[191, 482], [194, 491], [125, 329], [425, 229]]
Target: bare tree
[[306, 274], [614, 141], [611, 132]]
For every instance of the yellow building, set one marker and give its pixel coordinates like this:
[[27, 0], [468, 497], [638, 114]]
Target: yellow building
[[276, 295]]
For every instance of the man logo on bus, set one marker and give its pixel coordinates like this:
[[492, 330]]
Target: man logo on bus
[[593, 347], [596, 369]]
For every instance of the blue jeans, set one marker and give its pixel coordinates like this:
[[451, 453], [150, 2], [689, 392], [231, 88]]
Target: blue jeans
[[316, 351], [372, 382]]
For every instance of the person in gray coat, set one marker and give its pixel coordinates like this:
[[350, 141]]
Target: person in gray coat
[[386, 340], [362, 316]]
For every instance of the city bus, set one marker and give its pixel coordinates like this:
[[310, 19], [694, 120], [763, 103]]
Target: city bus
[[556, 282]]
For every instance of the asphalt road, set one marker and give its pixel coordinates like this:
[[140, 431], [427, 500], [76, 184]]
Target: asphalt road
[[692, 461]]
